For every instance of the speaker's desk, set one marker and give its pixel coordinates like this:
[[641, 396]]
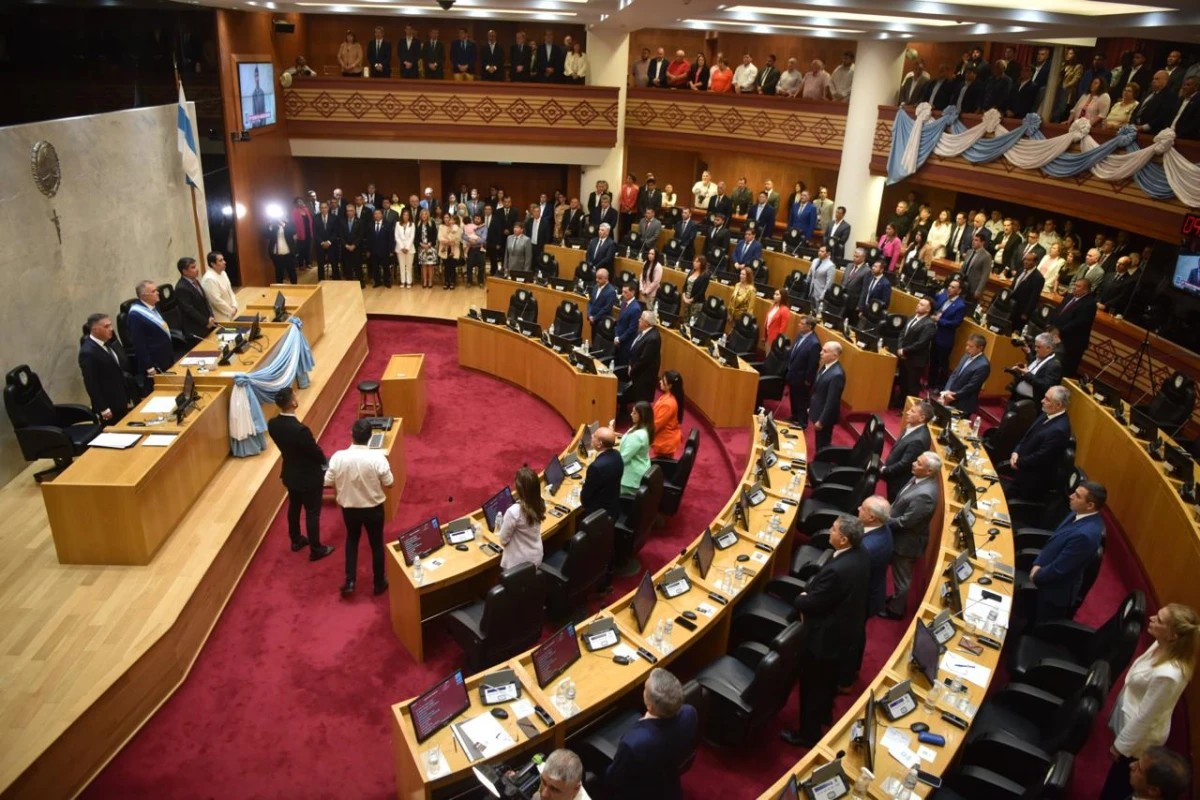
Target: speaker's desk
[[306, 301], [402, 390]]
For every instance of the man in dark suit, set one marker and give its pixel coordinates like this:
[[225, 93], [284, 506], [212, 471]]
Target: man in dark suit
[[646, 764], [281, 245], [719, 236], [1117, 292], [876, 287], [1058, 569], [503, 221], [763, 215], [650, 197], [1026, 290], [1037, 455], [604, 214], [602, 249], [1023, 98], [802, 364], [746, 251], [601, 297], [997, 90], [434, 55], [626, 329], [834, 610], [1157, 109], [352, 237], [520, 59], [105, 370], [949, 309], [539, 228], [463, 53], [913, 349], [325, 236], [656, 71], [1187, 116], [1042, 64], [380, 244], [837, 234], [825, 407], [549, 60], [966, 381], [379, 55], [491, 59], [912, 511], [968, 95], [197, 315], [151, 338], [913, 440], [409, 51], [768, 77], [720, 203], [685, 235], [854, 282], [572, 220], [940, 92], [1074, 318], [303, 474], [645, 359], [1045, 369], [874, 513], [602, 484]]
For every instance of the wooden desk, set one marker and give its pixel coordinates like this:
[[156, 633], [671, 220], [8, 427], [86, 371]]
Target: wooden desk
[[940, 554], [254, 356], [724, 395], [869, 376], [402, 389], [306, 301], [393, 446], [579, 398], [568, 258], [500, 291], [119, 506]]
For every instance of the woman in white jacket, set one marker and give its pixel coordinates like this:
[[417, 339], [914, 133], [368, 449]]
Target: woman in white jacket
[[404, 247], [1141, 716]]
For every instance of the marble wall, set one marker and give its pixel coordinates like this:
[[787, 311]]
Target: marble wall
[[125, 213]]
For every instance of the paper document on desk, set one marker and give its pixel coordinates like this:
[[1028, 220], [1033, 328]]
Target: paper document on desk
[[159, 440], [966, 669], [486, 731], [115, 441], [894, 737], [522, 709], [159, 405], [197, 361]]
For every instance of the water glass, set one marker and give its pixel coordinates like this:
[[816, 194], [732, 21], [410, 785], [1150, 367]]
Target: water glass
[[433, 757], [668, 627], [932, 696]]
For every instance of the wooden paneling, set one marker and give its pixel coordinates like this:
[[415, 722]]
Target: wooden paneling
[[352, 175], [680, 168], [523, 182]]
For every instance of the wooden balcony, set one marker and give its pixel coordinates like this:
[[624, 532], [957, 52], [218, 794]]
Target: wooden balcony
[[391, 108]]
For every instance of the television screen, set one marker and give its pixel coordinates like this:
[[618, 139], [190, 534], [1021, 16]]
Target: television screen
[[1187, 273], [445, 701], [643, 602], [256, 85]]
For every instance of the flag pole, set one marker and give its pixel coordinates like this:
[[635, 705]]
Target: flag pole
[[200, 259]]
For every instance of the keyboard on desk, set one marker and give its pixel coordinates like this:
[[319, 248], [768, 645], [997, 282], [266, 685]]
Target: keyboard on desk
[[376, 442]]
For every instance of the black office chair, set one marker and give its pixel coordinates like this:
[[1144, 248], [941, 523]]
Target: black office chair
[[523, 305], [123, 329], [568, 321], [168, 307], [627, 278], [749, 686], [796, 284], [506, 621], [1032, 511], [713, 316], [772, 372], [604, 334], [631, 245], [1172, 406], [998, 442], [671, 217], [967, 782], [831, 456], [717, 257], [672, 252], [827, 501], [676, 473], [1039, 320], [45, 429], [669, 302], [758, 267], [743, 339], [811, 556], [999, 313], [638, 514], [834, 304], [581, 567], [584, 273], [549, 265], [1044, 514], [793, 240]]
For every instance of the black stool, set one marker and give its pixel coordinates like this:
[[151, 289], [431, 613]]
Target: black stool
[[370, 404]]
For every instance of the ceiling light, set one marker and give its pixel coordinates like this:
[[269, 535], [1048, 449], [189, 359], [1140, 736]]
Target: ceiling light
[[406, 9], [1087, 8], [836, 15], [701, 23]]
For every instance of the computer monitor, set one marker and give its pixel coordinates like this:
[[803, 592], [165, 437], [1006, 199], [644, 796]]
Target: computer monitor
[[435, 709], [521, 275], [644, 600], [705, 550], [583, 361], [421, 540], [955, 449], [771, 431], [870, 733], [964, 522], [743, 507], [727, 357], [764, 467], [1142, 425], [1106, 395], [868, 337], [558, 653], [554, 474], [496, 505], [953, 591], [1183, 468], [925, 651], [185, 399], [280, 307], [964, 487], [942, 415], [791, 791], [255, 330]]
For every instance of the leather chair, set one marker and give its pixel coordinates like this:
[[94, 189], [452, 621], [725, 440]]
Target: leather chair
[[998, 442], [668, 301], [976, 783], [672, 252], [122, 324], [793, 241], [764, 616], [795, 289], [743, 339], [46, 429], [1044, 515], [676, 473], [1024, 592], [821, 508], [505, 622], [758, 267], [585, 273], [717, 258], [581, 567], [830, 457], [811, 556], [1039, 320], [834, 305], [549, 265], [749, 686], [713, 316], [168, 307], [631, 245], [772, 373], [626, 278], [638, 514], [568, 321], [1020, 728], [1055, 655], [604, 334], [1172, 406], [1032, 511], [523, 305], [999, 313]]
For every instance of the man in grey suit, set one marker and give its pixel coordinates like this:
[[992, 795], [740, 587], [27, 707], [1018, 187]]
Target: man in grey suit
[[649, 228], [854, 280], [976, 268], [912, 511], [820, 276], [912, 442], [518, 250]]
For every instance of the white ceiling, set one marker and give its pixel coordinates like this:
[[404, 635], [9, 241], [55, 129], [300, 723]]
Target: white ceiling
[[920, 20]]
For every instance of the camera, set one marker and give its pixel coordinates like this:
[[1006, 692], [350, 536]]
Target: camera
[[446, 4]]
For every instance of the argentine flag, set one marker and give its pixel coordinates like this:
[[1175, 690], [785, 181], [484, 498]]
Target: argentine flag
[[187, 144]]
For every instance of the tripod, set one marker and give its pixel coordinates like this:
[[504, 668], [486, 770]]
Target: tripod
[[1144, 353]]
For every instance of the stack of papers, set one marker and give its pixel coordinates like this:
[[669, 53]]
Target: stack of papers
[[486, 731], [159, 440], [115, 441], [159, 405]]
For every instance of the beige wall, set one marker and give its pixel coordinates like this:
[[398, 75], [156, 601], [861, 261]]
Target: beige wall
[[126, 214]]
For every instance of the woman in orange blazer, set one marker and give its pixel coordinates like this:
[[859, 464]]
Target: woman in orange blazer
[[668, 413], [777, 320]]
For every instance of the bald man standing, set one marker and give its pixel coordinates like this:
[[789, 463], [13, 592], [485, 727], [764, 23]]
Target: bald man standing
[[602, 484]]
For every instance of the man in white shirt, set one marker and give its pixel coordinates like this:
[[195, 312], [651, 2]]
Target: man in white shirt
[[218, 290], [1049, 236], [703, 190], [842, 79], [360, 476], [815, 85], [745, 76], [789, 81]]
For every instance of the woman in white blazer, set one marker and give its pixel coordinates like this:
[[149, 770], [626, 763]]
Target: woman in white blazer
[[405, 231], [1141, 716], [1052, 262]]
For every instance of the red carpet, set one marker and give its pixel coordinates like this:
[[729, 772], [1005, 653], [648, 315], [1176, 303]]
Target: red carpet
[[290, 697]]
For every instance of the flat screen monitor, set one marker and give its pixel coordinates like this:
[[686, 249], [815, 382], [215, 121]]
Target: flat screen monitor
[[280, 307], [189, 385], [743, 506], [256, 86], [644, 600], [955, 448], [705, 551], [941, 413], [1187, 274], [255, 330], [1141, 425], [771, 430], [765, 459], [954, 591], [870, 733], [496, 505], [925, 651], [1182, 466], [558, 653], [1106, 395], [554, 474], [964, 521], [421, 540], [435, 709], [791, 791], [964, 487]]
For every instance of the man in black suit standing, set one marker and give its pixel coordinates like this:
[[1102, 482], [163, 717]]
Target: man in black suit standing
[[434, 55], [968, 95], [602, 483], [549, 60], [540, 229], [1038, 454], [834, 610], [303, 474], [645, 358], [913, 350], [685, 235], [1157, 109], [463, 53], [1074, 318], [198, 320], [656, 72], [940, 92], [803, 360], [825, 407], [352, 238], [1026, 290], [837, 234], [572, 220], [966, 381], [912, 511], [1117, 292], [409, 53], [604, 214], [910, 444], [105, 370], [503, 220], [649, 197], [720, 203], [379, 55], [520, 59], [1023, 98], [854, 282], [719, 235], [325, 235], [380, 244], [491, 59]]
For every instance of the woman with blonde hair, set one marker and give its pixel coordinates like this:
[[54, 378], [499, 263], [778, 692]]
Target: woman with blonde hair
[[1141, 716], [449, 248], [425, 237], [520, 531], [742, 300]]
